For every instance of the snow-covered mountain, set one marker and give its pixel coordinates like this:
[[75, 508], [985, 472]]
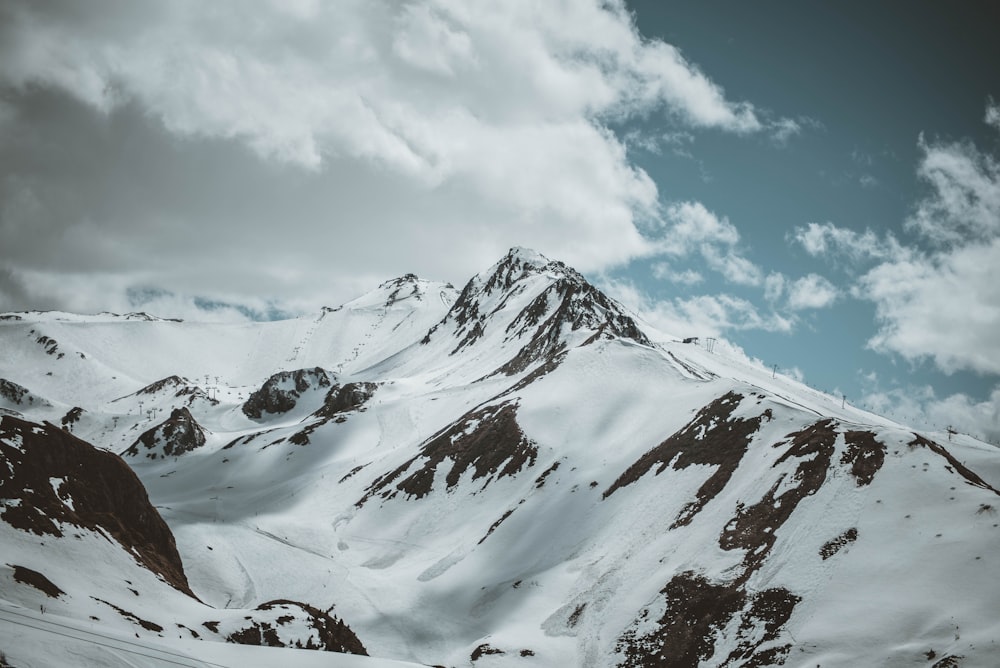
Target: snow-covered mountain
[[520, 473]]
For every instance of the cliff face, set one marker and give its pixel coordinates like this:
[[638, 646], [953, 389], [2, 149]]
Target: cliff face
[[53, 480]]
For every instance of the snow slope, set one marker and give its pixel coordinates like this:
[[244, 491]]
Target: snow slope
[[521, 473]]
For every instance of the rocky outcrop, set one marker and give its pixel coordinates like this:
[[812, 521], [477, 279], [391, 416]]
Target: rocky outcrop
[[174, 436], [536, 327], [346, 398], [280, 392], [284, 623], [53, 479], [488, 441]]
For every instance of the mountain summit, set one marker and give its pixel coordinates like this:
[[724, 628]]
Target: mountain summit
[[533, 309], [514, 474]]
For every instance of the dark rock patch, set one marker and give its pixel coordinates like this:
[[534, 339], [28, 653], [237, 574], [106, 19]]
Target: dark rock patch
[[697, 612], [540, 480], [169, 383], [402, 288], [98, 492], [72, 416], [346, 398], [37, 580], [50, 345], [714, 437], [865, 455], [568, 302], [578, 305], [180, 387], [280, 392], [493, 527], [329, 633], [970, 476], [834, 546], [16, 394], [131, 616], [754, 527], [488, 440], [174, 436], [351, 473], [483, 650], [340, 401]]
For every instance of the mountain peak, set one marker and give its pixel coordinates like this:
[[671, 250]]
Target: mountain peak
[[520, 263], [537, 307]]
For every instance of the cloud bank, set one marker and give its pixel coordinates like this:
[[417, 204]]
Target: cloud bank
[[298, 145], [936, 297]]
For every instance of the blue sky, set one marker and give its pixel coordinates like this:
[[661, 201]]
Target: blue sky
[[815, 182], [863, 83]]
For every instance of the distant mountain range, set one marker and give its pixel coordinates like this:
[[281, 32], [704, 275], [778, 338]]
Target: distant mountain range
[[519, 473]]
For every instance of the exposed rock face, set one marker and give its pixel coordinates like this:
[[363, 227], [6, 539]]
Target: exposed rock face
[[72, 416], [170, 383], [284, 623], [696, 614], [174, 436], [567, 303], [488, 440], [714, 437], [35, 579], [754, 527], [402, 288], [280, 392], [346, 398], [51, 479], [865, 455], [14, 393]]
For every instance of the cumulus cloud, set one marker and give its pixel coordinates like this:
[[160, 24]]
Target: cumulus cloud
[[992, 114], [690, 227], [943, 303], [664, 272], [828, 240], [811, 292], [182, 139], [945, 307], [935, 296], [921, 406], [702, 315]]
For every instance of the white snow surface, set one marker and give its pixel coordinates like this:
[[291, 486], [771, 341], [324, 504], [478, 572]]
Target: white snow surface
[[543, 566]]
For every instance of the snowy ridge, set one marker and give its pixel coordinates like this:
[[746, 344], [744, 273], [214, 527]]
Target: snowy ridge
[[515, 475]]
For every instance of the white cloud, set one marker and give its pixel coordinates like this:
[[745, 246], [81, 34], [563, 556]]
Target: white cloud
[[425, 40], [690, 227], [827, 239], [811, 292], [964, 203], [703, 315], [454, 129], [774, 286], [785, 129], [921, 407], [992, 116], [734, 267], [943, 303], [664, 272], [945, 307], [935, 298]]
